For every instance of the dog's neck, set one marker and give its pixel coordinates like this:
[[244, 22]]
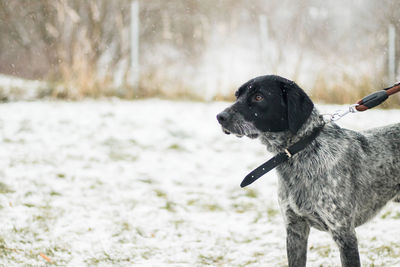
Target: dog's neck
[[277, 141]]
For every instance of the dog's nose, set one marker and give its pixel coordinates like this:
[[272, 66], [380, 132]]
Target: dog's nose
[[222, 117]]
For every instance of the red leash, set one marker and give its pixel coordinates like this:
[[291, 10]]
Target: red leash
[[367, 102], [377, 98]]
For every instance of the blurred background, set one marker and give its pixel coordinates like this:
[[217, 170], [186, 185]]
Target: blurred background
[[201, 50], [110, 152]]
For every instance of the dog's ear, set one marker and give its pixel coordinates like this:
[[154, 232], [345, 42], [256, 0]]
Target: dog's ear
[[299, 105]]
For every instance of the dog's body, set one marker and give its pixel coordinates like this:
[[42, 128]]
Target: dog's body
[[338, 182]]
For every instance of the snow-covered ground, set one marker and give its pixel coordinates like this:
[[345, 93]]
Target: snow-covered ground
[[14, 88], [151, 183]]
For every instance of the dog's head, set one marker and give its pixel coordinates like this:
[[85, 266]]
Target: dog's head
[[266, 104]]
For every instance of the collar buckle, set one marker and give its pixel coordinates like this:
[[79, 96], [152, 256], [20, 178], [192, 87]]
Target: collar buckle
[[288, 153]]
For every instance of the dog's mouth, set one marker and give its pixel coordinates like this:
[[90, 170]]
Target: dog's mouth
[[252, 136], [226, 131], [240, 135]]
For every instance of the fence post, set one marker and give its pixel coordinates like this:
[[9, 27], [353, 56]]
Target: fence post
[[135, 70], [391, 54]]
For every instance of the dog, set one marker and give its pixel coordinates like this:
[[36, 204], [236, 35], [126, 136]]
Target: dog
[[337, 182]]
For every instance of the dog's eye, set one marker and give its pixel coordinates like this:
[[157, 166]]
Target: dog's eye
[[258, 98]]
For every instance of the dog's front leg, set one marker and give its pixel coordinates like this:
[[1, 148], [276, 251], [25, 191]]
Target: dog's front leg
[[297, 231], [347, 242]]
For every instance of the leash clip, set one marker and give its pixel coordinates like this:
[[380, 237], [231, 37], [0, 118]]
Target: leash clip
[[341, 113]]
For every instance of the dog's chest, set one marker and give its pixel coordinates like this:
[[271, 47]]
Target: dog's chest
[[299, 200], [306, 208], [303, 199], [294, 195]]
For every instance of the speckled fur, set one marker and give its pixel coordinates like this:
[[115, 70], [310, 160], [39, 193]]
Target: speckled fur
[[338, 182]]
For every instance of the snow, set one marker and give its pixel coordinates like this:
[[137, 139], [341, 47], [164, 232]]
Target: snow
[[13, 88], [151, 183]]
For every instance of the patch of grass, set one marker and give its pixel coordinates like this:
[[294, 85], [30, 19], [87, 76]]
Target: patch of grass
[[146, 181], [397, 215], [258, 254], [7, 252], [390, 214], [7, 140], [322, 251], [132, 141], [176, 147], [249, 262], [117, 155], [54, 193], [235, 194], [211, 259], [272, 212], [146, 255], [251, 193], [96, 184], [170, 206], [243, 207], [392, 250], [126, 226], [4, 189], [40, 218], [160, 193], [18, 257], [2, 244], [51, 253], [192, 202], [29, 205], [140, 231], [61, 175], [212, 207], [178, 223], [107, 258], [386, 214], [258, 217]]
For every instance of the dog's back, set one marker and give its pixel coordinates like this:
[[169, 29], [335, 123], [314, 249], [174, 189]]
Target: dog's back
[[384, 151], [388, 135]]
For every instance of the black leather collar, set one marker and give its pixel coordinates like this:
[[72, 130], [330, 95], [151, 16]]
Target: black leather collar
[[280, 158]]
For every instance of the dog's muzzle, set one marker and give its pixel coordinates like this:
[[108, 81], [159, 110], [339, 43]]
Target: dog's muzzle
[[223, 119]]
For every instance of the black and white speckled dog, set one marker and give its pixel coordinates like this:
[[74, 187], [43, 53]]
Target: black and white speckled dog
[[338, 182]]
